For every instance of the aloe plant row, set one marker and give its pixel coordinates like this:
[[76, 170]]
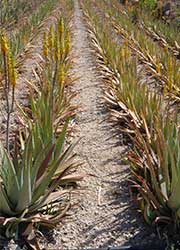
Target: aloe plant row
[[167, 30], [162, 41], [144, 117], [11, 11], [32, 174], [158, 61], [161, 32], [20, 39]]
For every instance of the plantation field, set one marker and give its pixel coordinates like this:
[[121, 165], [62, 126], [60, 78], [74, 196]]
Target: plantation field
[[89, 135]]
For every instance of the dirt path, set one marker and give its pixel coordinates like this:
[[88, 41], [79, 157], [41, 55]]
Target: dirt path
[[103, 217]]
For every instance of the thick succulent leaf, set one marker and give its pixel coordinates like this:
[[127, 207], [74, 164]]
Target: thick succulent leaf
[[37, 140], [174, 171], [44, 182], [9, 176], [25, 194], [73, 178], [27, 158], [41, 163], [45, 179], [5, 207], [174, 201], [72, 162], [60, 141]]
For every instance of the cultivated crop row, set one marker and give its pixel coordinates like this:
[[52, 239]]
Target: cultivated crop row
[[140, 111], [39, 162], [159, 62]]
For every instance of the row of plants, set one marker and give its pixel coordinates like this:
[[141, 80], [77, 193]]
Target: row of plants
[[40, 162], [11, 11], [21, 39], [159, 61], [145, 118], [167, 28], [163, 33]]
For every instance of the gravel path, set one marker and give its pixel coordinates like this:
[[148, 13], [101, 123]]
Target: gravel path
[[105, 215]]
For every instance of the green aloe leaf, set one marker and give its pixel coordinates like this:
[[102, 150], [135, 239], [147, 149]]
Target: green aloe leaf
[[174, 200], [25, 195], [41, 163], [5, 208], [45, 181], [9, 175]]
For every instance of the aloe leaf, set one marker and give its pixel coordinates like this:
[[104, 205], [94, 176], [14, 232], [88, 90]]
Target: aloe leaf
[[54, 196], [25, 194], [27, 155], [174, 170], [44, 164], [9, 175], [174, 201], [5, 203], [60, 141], [46, 180], [41, 163]]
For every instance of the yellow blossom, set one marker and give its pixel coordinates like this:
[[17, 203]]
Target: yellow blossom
[[4, 44], [61, 77], [12, 72], [68, 42], [56, 48], [51, 37], [61, 27]]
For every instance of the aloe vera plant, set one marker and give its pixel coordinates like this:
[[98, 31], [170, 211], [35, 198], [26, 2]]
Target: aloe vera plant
[[157, 172], [28, 183]]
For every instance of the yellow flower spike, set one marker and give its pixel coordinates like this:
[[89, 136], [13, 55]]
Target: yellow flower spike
[[68, 42], [122, 53], [4, 44], [51, 37], [61, 77], [61, 27], [56, 48], [12, 72], [158, 66], [62, 48], [14, 77], [170, 65], [9, 65], [166, 49], [45, 45]]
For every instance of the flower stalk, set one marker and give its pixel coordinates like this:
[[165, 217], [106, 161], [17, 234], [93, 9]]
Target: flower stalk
[[9, 78]]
